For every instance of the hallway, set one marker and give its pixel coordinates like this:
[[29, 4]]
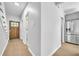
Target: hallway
[[16, 48], [68, 50]]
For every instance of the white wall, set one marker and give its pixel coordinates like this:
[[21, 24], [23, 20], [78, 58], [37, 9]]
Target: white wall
[[50, 28], [44, 35], [12, 18], [23, 31], [61, 14], [34, 37], [3, 39], [4, 34], [3, 31]]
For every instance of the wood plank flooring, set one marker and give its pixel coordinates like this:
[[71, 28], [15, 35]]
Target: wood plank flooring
[[16, 48], [68, 50]]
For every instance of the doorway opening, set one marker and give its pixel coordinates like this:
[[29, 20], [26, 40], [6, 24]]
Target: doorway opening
[[72, 28], [14, 30]]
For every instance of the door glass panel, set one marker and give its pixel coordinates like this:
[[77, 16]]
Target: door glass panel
[[14, 24]]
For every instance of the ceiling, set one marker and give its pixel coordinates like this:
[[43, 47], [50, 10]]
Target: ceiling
[[70, 7], [56, 3], [12, 9]]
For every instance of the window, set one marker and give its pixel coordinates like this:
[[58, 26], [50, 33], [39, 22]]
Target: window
[[14, 24]]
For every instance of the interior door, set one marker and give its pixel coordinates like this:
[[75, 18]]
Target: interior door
[[14, 30]]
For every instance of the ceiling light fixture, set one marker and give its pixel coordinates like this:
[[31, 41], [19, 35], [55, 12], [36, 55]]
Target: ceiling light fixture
[[16, 3]]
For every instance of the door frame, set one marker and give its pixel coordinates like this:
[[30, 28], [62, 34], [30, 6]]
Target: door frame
[[62, 29], [10, 27]]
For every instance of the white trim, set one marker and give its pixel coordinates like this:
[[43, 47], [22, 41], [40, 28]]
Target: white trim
[[31, 51], [54, 50], [24, 42], [4, 48], [29, 48], [27, 44]]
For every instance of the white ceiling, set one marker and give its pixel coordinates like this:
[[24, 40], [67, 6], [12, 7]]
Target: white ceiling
[[70, 7], [14, 10]]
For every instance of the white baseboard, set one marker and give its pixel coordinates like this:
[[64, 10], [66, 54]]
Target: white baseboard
[[54, 50], [26, 43], [31, 51], [4, 48]]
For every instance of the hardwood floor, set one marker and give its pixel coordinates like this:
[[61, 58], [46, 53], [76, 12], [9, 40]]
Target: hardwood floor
[[16, 48], [68, 50]]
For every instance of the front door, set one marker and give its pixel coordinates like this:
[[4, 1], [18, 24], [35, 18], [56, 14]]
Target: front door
[[14, 30]]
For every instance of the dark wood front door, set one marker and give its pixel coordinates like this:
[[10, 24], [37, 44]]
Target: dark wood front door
[[14, 30]]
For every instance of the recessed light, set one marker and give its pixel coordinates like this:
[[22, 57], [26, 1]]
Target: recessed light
[[16, 3]]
